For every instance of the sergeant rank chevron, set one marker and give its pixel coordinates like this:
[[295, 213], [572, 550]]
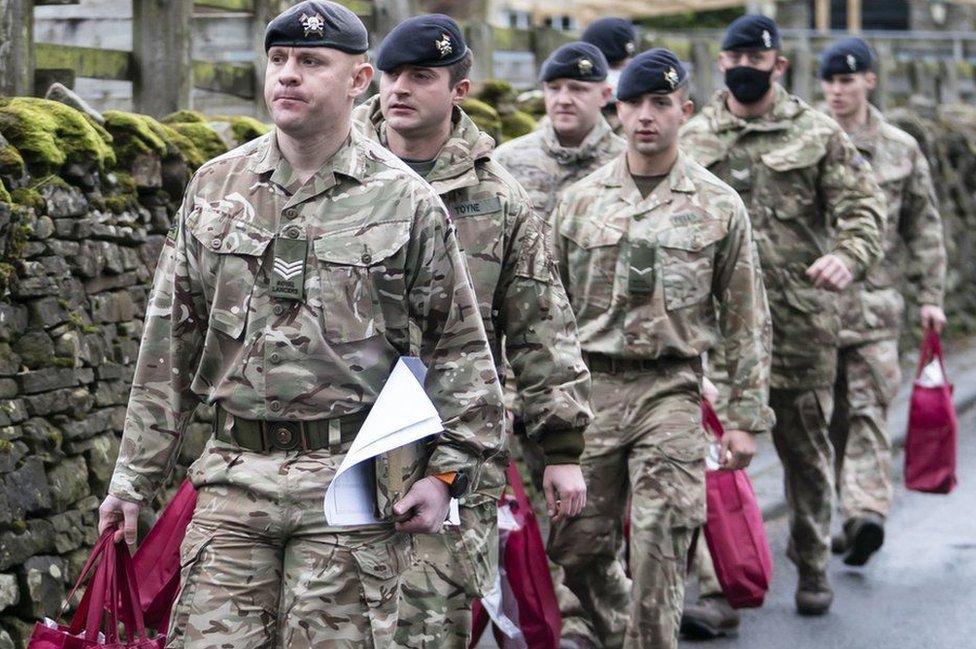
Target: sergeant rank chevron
[[287, 270]]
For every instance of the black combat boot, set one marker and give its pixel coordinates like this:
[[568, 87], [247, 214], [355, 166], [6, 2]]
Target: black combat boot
[[813, 593], [865, 535], [709, 618]]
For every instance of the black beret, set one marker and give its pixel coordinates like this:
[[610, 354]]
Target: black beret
[[752, 33], [576, 60], [429, 41], [656, 71], [846, 56], [615, 37], [318, 23]]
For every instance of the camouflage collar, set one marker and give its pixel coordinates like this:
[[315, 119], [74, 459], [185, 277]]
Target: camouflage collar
[[466, 146], [348, 161], [786, 108], [678, 180], [866, 137], [588, 149]]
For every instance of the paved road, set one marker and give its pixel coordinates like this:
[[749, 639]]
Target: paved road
[[918, 592]]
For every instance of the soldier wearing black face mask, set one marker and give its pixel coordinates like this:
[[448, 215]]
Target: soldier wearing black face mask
[[817, 215]]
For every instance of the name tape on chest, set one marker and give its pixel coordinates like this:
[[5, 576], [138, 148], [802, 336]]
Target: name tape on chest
[[475, 208]]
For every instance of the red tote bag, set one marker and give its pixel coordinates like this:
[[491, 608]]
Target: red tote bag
[[528, 599], [110, 599], [157, 561], [930, 446], [734, 531]]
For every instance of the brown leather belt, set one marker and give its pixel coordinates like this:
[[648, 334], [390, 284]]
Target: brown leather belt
[[615, 365], [267, 436]]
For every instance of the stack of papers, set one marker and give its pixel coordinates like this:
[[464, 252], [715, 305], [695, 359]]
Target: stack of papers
[[403, 414]]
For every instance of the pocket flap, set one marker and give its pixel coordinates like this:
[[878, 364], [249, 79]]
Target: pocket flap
[[224, 233], [798, 155], [362, 246], [691, 239], [808, 299], [593, 235]]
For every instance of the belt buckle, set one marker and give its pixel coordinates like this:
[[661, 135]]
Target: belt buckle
[[284, 435]]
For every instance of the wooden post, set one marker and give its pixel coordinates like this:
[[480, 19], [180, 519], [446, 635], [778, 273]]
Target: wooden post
[[161, 51], [703, 82], [880, 95], [264, 12], [16, 47], [481, 41], [854, 16], [822, 15], [387, 14], [802, 69]]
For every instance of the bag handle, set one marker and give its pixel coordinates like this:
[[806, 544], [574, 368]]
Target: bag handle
[[931, 350], [710, 419]]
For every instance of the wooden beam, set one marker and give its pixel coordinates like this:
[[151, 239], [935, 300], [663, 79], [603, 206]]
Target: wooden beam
[[229, 78], [821, 15], [854, 16], [16, 47], [245, 6], [161, 50], [115, 65]]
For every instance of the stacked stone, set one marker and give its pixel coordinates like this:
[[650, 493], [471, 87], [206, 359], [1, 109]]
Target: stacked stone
[[85, 204]]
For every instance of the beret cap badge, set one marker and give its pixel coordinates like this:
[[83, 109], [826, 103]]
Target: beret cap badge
[[852, 62], [767, 39], [630, 47], [671, 76], [585, 66], [444, 45], [314, 24]]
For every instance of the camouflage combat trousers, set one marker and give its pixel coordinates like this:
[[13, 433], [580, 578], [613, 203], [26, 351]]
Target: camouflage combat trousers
[[867, 380], [575, 619], [262, 568], [646, 442], [453, 568], [801, 440]]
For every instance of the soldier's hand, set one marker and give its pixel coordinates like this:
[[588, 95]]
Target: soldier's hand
[[933, 317], [831, 273], [738, 447], [709, 392], [424, 509], [113, 511], [565, 491]]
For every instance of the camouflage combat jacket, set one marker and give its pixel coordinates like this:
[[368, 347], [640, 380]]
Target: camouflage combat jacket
[[544, 167], [378, 253], [659, 277], [913, 245], [525, 310], [809, 192]]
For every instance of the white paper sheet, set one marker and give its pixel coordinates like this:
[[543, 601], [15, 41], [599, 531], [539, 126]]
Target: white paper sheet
[[932, 375], [402, 414]]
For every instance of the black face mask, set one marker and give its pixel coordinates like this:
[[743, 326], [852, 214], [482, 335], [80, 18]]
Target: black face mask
[[748, 85]]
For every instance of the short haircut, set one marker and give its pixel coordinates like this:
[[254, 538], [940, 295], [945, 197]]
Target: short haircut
[[460, 70]]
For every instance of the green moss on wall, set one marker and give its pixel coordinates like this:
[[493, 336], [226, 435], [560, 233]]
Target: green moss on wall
[[47, 134]]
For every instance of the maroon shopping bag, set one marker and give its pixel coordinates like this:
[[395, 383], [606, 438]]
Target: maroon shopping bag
[[528, 598], [110, 599], [157, 561], [734, 531], [930, 447]]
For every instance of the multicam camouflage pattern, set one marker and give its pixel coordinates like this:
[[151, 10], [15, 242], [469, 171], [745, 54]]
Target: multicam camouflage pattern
[[530, 324], [913, 242], [262, 568], [380, 256], [809, 192], [645, 275], [646, 441], [867, 380], [654, 278], [869, 372], [545, 167], [800, 437]]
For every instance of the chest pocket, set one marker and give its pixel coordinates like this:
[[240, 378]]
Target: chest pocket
[[231, 257], [687, 264], [593, 256], [479, 225], [790, 189], [357, 268]]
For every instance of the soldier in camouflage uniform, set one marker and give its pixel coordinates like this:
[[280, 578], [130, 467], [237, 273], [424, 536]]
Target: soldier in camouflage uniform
[[817, 215], [424, 63], [284, 295], [871, 310], [574, 139], [616, 38], [657, 257]]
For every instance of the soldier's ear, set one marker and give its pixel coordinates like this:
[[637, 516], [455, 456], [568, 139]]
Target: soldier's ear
[[362, 75], [461, 91], [872, 80]]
